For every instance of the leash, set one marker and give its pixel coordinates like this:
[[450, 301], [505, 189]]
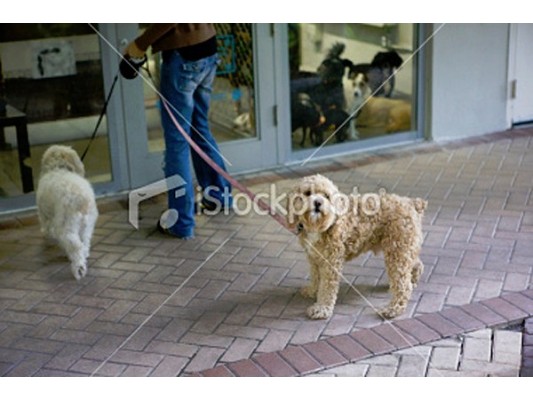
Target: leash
[[102, 113], [262, 204]]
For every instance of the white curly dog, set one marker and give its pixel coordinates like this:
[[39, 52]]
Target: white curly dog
[[66, 205]]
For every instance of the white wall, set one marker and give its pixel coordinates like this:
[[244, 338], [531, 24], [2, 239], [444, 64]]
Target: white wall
[[468, 80]]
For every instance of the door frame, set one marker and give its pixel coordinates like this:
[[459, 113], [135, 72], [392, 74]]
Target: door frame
[[512, 75]]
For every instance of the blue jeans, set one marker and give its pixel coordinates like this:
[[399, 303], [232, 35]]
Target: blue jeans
[[187, 85]]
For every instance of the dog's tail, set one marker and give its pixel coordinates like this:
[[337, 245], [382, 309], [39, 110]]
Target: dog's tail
[[420, 205]]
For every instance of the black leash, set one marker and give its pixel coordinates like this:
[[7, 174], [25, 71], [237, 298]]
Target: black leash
[[102, 113]]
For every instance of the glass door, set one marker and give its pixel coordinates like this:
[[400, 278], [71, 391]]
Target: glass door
[[242, 123]]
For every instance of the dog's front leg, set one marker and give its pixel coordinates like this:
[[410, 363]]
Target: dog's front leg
[[354, 133], [311, 290], [328, 288]]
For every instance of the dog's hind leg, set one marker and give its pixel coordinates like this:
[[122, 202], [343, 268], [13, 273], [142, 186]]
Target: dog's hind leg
[[72, 244], [399, 271], [416, 272], [86, 232]]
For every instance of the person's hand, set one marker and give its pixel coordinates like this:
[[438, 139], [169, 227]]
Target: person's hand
[[133, 51]]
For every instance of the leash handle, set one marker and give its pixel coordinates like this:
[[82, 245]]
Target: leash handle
[[102, 113], [262, 204]]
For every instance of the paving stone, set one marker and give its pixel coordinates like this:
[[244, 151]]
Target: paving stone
[[462, 319], [206, 358], [372, 341], [459, 295], [325, 354], [136, 371], [440, 324], [348, 347], [445, 358], [274, 365], [520, 301], [170, 366], [417, 330], [350, 370], [246, 368], [505, 308], [240, 349], [275, 340], [412, 366], [395, 336], [300, 360], [487, 368], [479, 311], [381, 371], [387, 359], [477, 349]]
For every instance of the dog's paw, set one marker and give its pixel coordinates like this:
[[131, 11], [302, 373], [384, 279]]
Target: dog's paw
[[318, 311], [79, 271], [308, 292]]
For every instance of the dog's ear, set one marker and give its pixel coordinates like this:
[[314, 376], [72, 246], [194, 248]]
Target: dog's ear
[[73, 162]]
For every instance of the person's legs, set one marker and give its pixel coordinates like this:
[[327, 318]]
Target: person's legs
[[177, 87], [215, 187]]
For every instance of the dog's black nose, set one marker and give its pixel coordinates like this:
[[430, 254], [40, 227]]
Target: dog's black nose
[[317, 204]]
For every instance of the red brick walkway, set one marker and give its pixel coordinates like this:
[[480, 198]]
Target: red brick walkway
[[385, 338], [154, 306]]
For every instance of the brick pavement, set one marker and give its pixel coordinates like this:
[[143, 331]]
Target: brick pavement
[[482, 353], [154, 306]]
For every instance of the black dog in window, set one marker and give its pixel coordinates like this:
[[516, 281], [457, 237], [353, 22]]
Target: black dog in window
[[379, 73], [319, 97]]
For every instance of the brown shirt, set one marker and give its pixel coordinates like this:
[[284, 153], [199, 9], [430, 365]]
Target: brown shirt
[[174, 36]]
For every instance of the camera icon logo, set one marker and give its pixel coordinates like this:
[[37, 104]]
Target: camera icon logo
[[135, 197]]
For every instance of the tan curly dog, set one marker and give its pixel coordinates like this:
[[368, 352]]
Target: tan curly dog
[[334, 228]]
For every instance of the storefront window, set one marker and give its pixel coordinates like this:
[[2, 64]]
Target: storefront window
[[350, 82], [52, 76]]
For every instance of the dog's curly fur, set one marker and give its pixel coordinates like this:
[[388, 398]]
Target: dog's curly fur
[[66, 205], [334, 228]]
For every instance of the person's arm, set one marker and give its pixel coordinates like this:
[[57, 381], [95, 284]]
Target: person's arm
[[137, 48]]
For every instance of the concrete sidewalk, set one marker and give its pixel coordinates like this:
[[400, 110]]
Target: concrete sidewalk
[[156, 306]]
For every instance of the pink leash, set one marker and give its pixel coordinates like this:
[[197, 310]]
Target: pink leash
[[264, 206]]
